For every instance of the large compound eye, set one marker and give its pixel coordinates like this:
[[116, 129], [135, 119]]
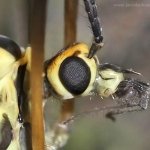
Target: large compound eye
[[75, 75], [70, 72]]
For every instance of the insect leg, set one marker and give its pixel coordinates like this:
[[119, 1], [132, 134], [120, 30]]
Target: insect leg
[[123, 109], [91, 9]]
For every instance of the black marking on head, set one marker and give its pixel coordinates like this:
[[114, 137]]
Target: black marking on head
[[49, 61], [117, 68], [10, 46], [110, 66], [5, 133], [75, 75]]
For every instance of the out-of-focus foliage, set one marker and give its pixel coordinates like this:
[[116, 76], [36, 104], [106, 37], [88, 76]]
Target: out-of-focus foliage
[[14, 20]]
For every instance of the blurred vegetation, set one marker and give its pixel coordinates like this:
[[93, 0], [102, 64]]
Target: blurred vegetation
[[126, 29]]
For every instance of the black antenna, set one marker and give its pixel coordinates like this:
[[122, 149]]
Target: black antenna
[[91, 9]]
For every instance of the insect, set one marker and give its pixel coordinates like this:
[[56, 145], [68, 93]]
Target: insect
[[73, 72], [76, 71], [12, 66]]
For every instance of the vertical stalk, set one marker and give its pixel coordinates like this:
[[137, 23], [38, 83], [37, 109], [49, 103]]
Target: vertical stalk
[[70, 21], [37, 30], [69, 38], [58, 135]]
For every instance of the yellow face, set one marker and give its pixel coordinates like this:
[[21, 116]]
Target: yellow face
[[108, 81], [79, 50], [6, 62]]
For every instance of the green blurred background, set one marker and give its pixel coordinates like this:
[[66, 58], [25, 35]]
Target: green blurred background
[[126, 29]]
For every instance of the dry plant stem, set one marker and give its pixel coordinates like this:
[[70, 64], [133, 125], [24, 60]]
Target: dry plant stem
[[67, 107], [37, 31], [70, 21], [70, 37], [59, 134]]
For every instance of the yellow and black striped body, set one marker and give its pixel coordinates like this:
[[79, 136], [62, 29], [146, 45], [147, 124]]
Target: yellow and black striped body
[[10, 55]]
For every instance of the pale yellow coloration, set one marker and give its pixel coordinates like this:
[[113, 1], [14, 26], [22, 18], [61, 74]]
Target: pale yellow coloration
[[6, 62], [81, 50], [108, 81], [15, 145], [8, 94], [9, 102], [26, 58]]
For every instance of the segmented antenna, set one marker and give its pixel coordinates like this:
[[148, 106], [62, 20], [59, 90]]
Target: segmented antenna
[[91, 9]]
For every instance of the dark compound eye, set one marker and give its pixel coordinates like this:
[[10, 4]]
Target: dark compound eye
[[10, 46], [75, 75]]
